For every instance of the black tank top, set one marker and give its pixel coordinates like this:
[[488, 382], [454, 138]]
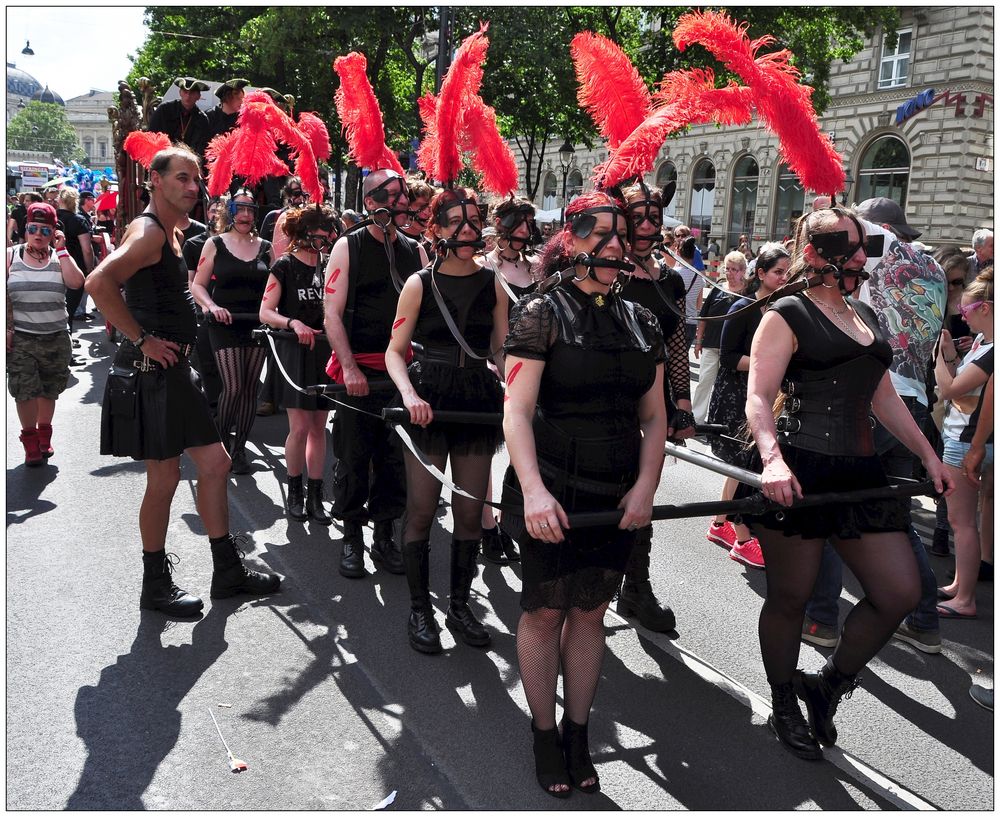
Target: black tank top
[[158, 296], [374, 296], [236, 284], [470, 300]]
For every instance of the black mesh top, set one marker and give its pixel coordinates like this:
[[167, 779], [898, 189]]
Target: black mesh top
[[600, 358]]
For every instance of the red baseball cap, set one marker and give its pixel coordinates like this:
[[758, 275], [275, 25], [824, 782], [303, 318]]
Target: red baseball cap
[[41, 212]]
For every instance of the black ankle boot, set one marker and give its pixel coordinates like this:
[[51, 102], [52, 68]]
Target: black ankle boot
[[314, 502], [296, 499], [576, 751], [821, 691], [352, 552], [230, 576], [422, 629], [460, 618], [158, 589], [385, 551], [789, 726], [493, 546], [550, 768], [636, 598]]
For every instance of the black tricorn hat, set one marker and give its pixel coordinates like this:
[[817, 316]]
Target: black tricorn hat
[[191, 84], [231, 84]]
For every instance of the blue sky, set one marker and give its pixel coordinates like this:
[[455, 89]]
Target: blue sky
[[76, 48]]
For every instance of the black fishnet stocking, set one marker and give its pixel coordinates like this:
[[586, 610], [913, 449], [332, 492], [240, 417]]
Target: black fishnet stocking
[[582, 649], [239, 369]]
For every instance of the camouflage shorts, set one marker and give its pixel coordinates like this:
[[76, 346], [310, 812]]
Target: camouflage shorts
[[38, 365]]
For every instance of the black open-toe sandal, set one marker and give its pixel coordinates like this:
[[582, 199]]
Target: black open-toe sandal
[[576, 750], [549, 767]]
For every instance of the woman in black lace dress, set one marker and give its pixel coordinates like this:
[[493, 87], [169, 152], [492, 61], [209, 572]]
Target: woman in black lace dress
[[585, 426], [829, 359], [451, 376]]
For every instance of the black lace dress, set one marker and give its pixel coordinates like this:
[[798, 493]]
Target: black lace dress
[[600, 355], [826, 353], [729, 394]]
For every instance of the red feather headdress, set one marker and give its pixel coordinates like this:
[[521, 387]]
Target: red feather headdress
[[360, 115], [611, 89], [782, 103], [492, 157], [142, 145]]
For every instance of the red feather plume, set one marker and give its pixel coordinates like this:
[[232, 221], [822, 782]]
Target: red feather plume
[[312, 126], [611, 89], [219, 163], [782, 103], [460, 85], [491, 155], [427, 151], [360, 115], [142, 145]]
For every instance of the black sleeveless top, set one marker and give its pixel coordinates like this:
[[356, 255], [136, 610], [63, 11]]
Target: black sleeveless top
[[470, 300], [301, 290], [158, 296], [238, 285], [373, 295]]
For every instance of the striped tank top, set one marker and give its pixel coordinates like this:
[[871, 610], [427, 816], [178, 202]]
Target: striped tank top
[[37, 295]]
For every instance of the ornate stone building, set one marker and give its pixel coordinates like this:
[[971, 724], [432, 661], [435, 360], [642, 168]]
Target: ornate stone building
[[88, 115], [914, 123]]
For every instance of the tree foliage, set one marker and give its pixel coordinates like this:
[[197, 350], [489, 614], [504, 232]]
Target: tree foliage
[[529, 76], [43, 126]]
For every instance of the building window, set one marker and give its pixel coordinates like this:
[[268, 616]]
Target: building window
[[102, 146], [702, 199], [550, 200], [666, 181], [745, 179], [574, 185], [789, 205], [88, 148], [884, 171], [895, 66]]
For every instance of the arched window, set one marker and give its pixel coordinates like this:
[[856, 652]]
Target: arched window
[[574, 185], [550, 200], [884, 171], [702, 198], [745, 178], [666, 181], [790, 203]]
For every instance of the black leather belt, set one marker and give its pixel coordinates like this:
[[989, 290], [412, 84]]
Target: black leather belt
[[451, 356], [146, 364]]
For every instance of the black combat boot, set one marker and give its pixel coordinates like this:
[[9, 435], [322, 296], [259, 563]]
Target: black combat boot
[[296, 499], [230, 576], [352, 554], [460, 619], [787, 723], [422, 629], [821, 691], [637, 597], [158, 589], [493, 546], [314, 502], [385, 551]]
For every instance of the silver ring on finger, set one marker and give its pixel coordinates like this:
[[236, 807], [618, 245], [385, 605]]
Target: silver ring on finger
[[633, 526], [543, 524]]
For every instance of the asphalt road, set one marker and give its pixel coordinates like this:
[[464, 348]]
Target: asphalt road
[[318, 691]]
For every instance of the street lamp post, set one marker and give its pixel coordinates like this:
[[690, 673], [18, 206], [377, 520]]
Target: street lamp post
[[848, 184], [566, 153]]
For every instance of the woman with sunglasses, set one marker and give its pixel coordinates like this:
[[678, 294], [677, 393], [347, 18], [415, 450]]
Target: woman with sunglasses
[[293, 301], [585, 426], [230, 280], [451, 376], [960, 382], [420, 194], [38, 345]]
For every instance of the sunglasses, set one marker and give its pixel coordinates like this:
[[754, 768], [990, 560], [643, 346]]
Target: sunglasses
[[31, 229], [247, 208], [296, 194], [958, 282], [970, 308]]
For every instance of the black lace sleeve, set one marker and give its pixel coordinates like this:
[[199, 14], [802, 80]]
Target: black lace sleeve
[[532, 328], [651, 331]]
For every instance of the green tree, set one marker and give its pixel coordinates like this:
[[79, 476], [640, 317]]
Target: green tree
[[43, 126]]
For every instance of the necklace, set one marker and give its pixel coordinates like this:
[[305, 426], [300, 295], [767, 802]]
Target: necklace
[[516, 260], [38, 255], [836, 316]]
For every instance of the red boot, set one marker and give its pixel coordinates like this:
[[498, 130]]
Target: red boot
[[32, 453], [45, 440]]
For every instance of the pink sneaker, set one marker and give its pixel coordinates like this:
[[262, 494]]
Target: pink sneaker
[[748, 553], [723, 535]]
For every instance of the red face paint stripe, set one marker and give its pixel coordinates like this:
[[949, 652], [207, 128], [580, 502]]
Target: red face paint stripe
[[398, 323], [513, 373], [330, 290], [334, 275], [271, 287], [202, 261]]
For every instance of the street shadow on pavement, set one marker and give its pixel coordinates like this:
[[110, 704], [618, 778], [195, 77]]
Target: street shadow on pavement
[[131, 720], [25, 487]]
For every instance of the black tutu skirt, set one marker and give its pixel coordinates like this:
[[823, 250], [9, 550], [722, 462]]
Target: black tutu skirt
[[305, 367], [823, 473], [451, 388], [154, 415]]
